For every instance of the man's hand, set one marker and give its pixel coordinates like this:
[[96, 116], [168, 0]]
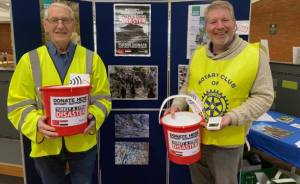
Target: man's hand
[[91, 124], [226, 120], [172, 110], [46, 130]]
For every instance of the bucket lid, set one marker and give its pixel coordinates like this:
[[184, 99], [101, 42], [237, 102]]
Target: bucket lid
[[182, 119], [64, 87]]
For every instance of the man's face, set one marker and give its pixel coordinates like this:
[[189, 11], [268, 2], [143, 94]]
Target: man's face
[[61, 31], [220, 26]]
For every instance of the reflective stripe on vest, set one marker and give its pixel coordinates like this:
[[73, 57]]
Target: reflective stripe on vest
[[93, 101], [36, 73], [25, 112], [97, 97], [15, 106], [89, 61], [102, 107]]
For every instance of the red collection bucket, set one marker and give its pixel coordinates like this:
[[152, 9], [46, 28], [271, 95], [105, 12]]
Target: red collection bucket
[[182, 134], [66, 108]]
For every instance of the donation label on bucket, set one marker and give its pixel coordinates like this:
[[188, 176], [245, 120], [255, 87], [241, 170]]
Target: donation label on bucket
[[69, 111], [184, 144]]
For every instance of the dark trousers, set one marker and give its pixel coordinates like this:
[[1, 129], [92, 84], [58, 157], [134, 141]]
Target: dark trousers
[[52, 168], [217, 165]]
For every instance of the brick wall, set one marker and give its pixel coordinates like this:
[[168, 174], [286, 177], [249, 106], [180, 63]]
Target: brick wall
[[5, 38], [284, 13]]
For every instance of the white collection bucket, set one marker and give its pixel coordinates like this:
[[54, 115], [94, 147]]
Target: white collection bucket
[[182, 134]]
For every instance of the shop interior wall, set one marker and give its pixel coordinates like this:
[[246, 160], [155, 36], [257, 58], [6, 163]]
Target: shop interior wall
[[27, 32], [5, 38], [286, 80], [286, 15], [7, 130]]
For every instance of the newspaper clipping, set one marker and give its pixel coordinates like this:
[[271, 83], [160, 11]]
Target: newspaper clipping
[[197, 35]]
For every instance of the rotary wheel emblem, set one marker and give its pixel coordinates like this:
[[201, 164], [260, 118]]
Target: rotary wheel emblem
[[214, 103]]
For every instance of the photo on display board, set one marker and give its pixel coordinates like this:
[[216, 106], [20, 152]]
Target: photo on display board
[[131, 153], [132, 125], [133, 82], [132, 29], [75, 8], [182, 70]]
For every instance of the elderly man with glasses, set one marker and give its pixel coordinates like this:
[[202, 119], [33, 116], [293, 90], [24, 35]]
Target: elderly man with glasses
[[49, 65]]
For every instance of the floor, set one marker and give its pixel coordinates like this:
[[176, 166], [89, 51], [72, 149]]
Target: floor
[[4, 179], [10, 153]]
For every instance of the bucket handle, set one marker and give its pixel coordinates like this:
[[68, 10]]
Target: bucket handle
[[176, 96], [40, 96]]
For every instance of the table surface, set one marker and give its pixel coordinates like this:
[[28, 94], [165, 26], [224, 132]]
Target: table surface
[[285, 149]]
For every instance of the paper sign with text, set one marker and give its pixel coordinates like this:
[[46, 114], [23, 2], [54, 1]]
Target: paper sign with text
[[184, 144], [79, 79], [69, 111], [192, 105]]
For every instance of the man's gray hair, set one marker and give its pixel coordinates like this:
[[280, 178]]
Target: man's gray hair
[[59, 5], [217, 5]]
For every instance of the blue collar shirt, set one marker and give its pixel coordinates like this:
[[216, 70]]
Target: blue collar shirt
[[62, 62]]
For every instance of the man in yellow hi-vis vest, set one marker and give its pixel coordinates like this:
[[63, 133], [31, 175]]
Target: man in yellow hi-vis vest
[[233, 79], [49, 65]]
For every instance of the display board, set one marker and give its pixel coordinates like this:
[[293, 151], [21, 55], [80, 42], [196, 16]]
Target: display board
[[179, 27], [27, 34], [127, 154]]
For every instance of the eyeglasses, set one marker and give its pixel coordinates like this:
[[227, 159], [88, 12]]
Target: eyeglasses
[[64, 21]]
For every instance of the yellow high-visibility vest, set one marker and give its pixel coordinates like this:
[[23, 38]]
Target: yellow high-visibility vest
[[223, 85], [36, 69]]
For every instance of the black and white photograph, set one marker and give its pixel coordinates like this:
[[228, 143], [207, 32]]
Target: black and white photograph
[[182, 70], [131, 153], [132, 125], [133, 82], [132, 29]]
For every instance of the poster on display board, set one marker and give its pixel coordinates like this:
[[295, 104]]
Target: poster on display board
[[197, 35], [132, 29], [75, 8]]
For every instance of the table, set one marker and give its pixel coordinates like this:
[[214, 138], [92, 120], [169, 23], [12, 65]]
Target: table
[[6, 60], [285, 148]]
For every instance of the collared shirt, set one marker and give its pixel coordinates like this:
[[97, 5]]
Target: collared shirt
[[229, 46], [62, 62]]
